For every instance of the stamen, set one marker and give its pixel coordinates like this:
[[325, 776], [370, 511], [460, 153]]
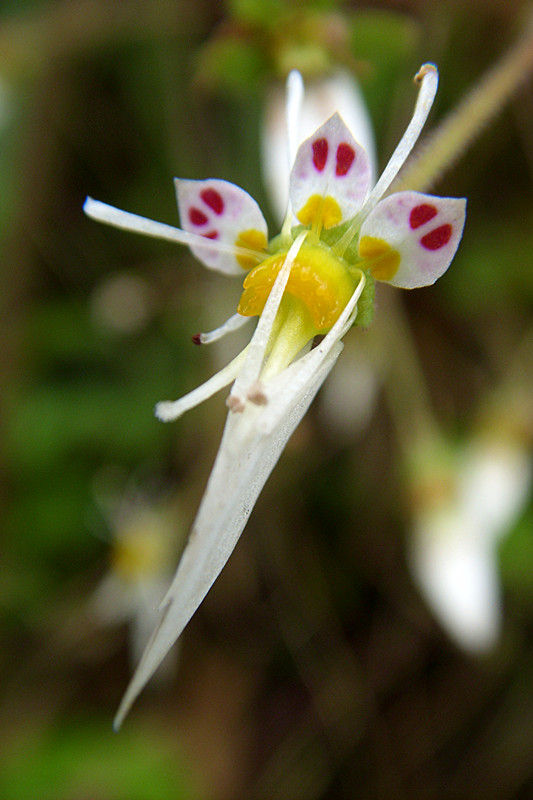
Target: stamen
[[440, 150], [299, 374], [295, 96], [258, 345], [109, 215], [168, 410], [428, 78], [232, 324]]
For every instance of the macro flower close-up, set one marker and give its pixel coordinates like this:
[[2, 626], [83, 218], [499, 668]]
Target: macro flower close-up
[[305, 283], [267, 426]]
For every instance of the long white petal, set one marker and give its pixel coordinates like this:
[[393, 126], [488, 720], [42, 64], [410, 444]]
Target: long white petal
[[109, 215], [245, 460]]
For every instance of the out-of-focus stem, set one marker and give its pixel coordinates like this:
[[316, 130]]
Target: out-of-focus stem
[[405, 385], [446, 144]]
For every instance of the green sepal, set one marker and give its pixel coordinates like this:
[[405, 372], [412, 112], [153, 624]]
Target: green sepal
[[365, 304]]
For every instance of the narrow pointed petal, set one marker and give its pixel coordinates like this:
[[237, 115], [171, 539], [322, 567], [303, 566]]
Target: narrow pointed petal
[[245, 460], [410, 238], [331, 176], [222, 212]]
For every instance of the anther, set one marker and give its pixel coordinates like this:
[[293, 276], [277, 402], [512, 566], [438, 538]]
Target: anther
[[424, 70]]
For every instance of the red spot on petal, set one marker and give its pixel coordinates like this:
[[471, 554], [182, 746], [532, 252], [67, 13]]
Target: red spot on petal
[[320, 153], [421, 214], [345, 158], [211, 235], [197, 338], [437, 238], [197, 217], [213, 199]]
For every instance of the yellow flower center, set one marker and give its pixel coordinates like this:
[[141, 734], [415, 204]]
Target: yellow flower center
[[255, 240], [320, 212], [384, 261], [320, 280]]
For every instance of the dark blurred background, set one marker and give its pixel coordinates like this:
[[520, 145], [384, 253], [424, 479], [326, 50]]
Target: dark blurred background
[[315, 668]]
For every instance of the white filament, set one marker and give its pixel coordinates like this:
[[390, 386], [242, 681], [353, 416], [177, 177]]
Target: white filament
[[168, 410], [109, 215], [232, 324]]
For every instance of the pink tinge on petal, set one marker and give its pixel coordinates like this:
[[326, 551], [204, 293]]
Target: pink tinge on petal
[[421, 214], [213, 199], [345, 159], [320, 153], [437, 238]]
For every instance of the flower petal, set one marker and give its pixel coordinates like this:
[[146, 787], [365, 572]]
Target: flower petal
[[330, 177], [245, 460], [457, 571], [224, 213], [300, 119], [410, 238]]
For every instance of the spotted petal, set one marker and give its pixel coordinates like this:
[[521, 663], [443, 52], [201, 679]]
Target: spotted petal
[[410, 238], [225, 213], [330, 177]]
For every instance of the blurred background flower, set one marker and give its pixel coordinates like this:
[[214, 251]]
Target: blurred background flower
[[315, 668]]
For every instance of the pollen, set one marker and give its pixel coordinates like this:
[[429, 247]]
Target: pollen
[[323, 283], [383, 260], [253, 239], [320, 212]]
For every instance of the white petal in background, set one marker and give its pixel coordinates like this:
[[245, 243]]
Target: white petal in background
[[453, 546], [322, 98]]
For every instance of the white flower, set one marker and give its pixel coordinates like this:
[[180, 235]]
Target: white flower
[[456, 532], [305, 282]]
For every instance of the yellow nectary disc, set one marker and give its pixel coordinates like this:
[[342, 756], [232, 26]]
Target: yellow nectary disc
[[319, 279]]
